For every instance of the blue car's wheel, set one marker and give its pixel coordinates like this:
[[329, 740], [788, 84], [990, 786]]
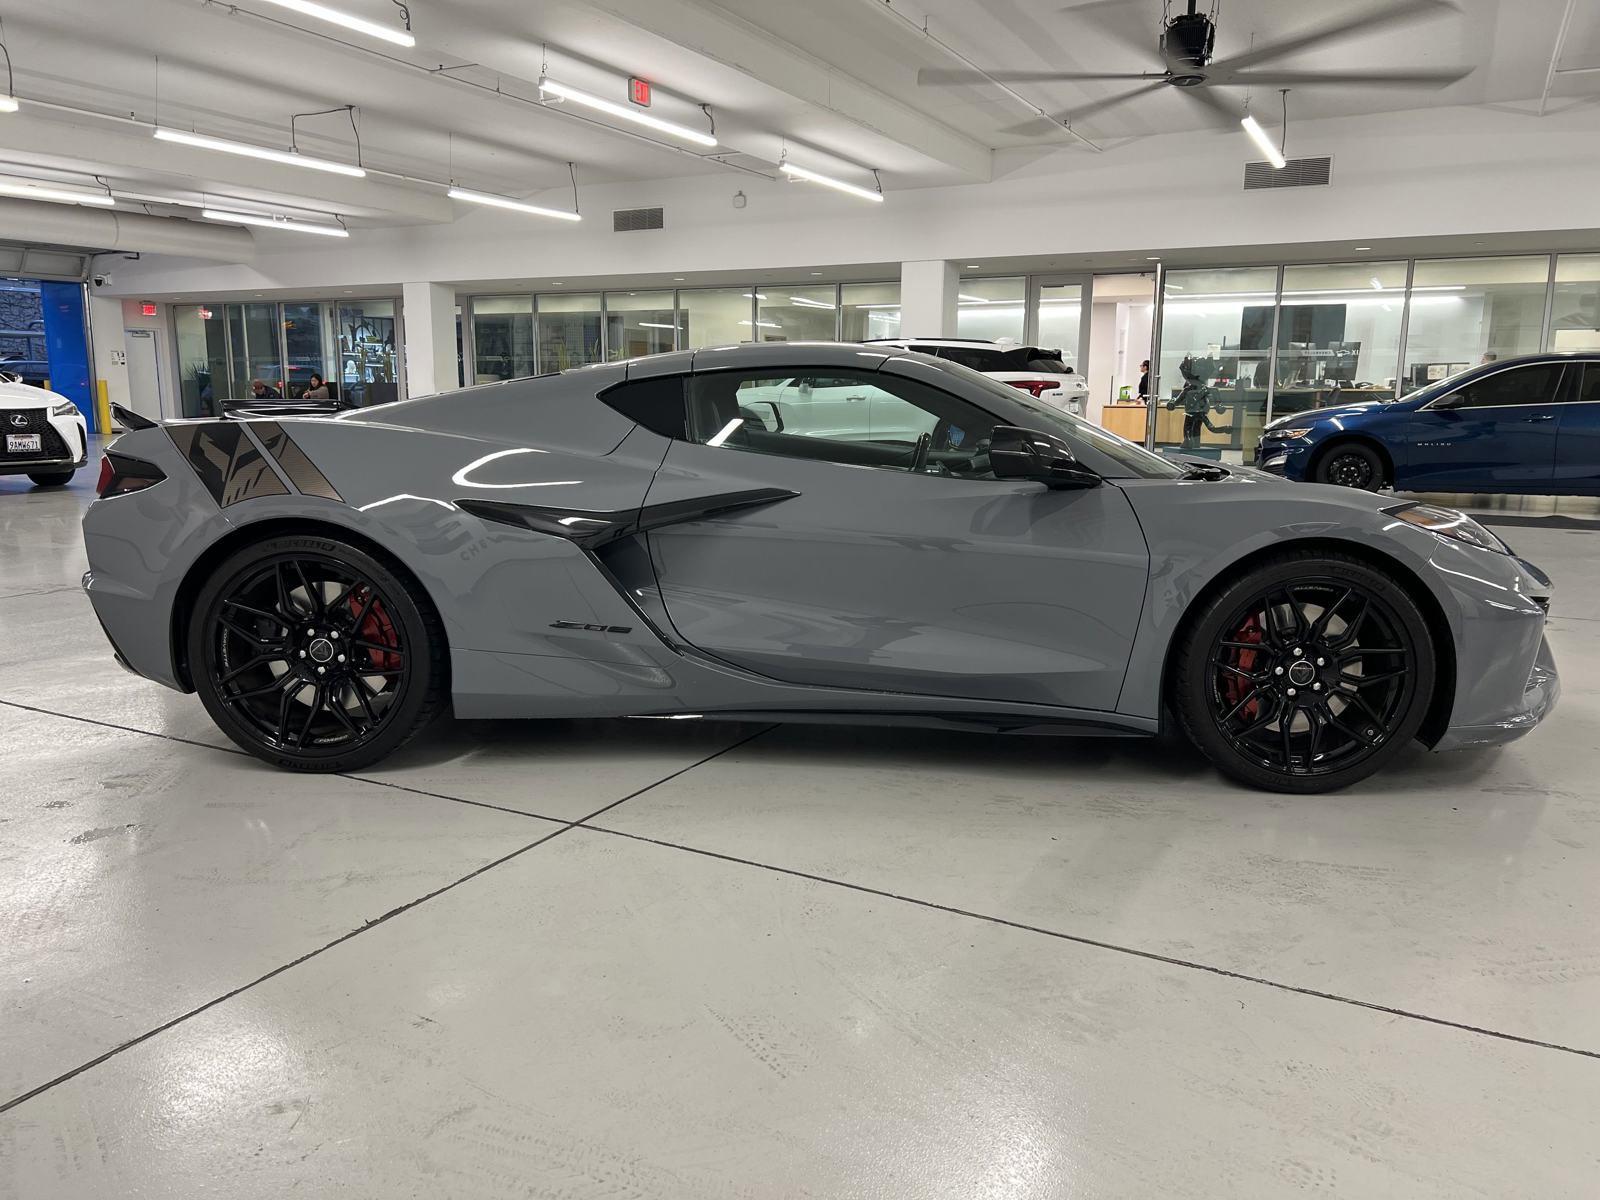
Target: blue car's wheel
[[1353, 465], [1307, 674]]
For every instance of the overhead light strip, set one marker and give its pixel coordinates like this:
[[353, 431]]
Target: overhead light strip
[[55, 195], [250, 150], [1259, 136], [561, 214], [386, 33], [625, 112], [213, 214], [839, 185]]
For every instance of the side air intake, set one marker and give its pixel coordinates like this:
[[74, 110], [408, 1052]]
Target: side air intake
[[631, 220], [1298, 172]]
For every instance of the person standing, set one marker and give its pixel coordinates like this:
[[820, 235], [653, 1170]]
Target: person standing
[[1144, 382]]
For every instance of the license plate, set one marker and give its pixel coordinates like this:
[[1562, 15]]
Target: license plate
[[24, 443]]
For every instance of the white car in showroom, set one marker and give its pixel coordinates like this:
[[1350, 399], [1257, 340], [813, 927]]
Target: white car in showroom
[[43, 435], [1040, 372]]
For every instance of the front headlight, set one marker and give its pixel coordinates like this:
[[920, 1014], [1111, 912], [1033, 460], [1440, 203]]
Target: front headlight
[[1289, 434], [69, 409], [1447, 522]]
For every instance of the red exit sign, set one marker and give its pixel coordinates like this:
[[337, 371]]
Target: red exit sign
[[147, 309], [639, 92]]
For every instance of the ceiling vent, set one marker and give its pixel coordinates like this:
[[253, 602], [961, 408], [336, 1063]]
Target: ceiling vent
[[1297, 172], [630, 220]]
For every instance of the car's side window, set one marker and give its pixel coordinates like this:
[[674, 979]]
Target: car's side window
[[1536, 384], [858, 418], [1589, 385], [657, 404]]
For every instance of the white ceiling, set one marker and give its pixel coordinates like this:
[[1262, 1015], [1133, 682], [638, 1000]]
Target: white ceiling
[[832, 82]]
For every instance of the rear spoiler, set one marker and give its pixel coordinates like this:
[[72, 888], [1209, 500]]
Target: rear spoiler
[[130, 420]]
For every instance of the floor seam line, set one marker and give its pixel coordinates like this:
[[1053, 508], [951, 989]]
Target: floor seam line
[[67, 1076], [1096, 943], [170, 737]]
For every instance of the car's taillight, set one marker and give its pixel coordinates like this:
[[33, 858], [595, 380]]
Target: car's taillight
[[1034, 387], [121, 473]]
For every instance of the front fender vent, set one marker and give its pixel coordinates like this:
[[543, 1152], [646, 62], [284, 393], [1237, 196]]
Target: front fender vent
[[631, 220], [1298, 172]]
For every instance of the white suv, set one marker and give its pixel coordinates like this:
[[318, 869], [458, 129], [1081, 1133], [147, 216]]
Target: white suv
[[42, 434], [1032, 369]]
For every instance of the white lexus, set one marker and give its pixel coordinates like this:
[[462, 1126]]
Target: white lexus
[[42, 434]]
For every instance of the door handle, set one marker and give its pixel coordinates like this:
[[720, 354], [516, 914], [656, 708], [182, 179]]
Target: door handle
[[1540, 417]]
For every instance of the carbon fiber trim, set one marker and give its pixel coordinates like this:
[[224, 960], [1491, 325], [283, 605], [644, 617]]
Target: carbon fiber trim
[[227, 462], [302, 472]]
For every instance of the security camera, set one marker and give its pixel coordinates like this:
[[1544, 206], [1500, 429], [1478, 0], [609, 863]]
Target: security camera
[[101, 280]]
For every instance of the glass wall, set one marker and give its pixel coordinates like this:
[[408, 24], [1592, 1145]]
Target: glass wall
[[798, 314], [992, 308], [868, 311], [369, 361], [202, 358], [1215, 358], [1338, 334], [502, 338], [568, 331], [303, 343], [639, 323], [1465, 311], [1575, 310], [716, 317], [1060, 315]]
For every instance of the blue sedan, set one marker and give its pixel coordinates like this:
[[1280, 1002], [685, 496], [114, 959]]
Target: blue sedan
[[1529, 424]]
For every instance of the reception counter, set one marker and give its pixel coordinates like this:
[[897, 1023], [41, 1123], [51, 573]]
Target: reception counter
[[1125, 420]]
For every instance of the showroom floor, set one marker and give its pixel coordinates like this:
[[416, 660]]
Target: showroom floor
[[667, 959]]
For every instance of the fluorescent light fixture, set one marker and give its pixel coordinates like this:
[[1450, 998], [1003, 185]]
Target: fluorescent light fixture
[[879, 304], [387, 33], [829, 181], [802, 302], [1377, 283], [763, 324], [58, 195], [654, 325], [1259, 136], [214, 214], [560, 214], [726, 431], [8, 104], [966, 299], [627, 112], [754, 296], [249, 150]]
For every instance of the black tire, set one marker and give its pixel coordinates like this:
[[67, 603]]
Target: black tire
[[51, 478], [315, 655], [1309, 673], [1351, 464]]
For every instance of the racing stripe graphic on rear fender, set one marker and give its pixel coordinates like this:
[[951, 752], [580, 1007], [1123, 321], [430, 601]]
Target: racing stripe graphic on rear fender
[[302, 472], [227, 462]]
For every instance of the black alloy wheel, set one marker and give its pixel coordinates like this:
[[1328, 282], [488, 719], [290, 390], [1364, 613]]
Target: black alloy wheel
[[1307, 675], [314, 655], [1352, 466]]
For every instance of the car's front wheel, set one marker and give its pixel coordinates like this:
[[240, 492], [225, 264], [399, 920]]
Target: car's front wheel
[[1351, 464], [1307, 674], [315, 655], [50, 478]]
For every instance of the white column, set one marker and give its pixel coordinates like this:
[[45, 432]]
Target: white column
[[108, 349], [429, 311], [928, 298]]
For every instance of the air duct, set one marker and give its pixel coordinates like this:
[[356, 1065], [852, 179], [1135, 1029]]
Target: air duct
[[101, 229]]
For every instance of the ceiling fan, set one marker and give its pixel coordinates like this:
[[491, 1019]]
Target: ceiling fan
[[1185, 45]]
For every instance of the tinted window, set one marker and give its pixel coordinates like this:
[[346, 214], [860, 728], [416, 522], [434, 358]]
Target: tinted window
[[1535, 384], [657, 404], [856, 418], [976, 357], [1589, 388]]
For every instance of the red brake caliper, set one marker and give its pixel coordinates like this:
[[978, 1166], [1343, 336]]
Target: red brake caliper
[[1236, 687], [377, 627]]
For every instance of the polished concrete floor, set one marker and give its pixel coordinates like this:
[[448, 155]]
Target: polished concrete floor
[[663, 959]]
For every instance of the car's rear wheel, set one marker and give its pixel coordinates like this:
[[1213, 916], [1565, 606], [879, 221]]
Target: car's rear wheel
[[314, 655], [1309, 673], [1351, 464], [50, 478]]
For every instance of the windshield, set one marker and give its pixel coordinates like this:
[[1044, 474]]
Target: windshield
[[1134, 459]]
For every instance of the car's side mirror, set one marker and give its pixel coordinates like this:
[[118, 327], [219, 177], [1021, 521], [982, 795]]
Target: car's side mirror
[[1016, 453]]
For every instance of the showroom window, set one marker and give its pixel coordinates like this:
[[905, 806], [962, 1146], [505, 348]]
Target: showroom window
[[797, 314], [868, 311], [639, 323], [1575, 310], [303, 343], [716, 317], [1338, 334], [502, 338], [1216, 357], [992, 308], [369, 356], [568, 330], [202, 358], [1464, 311], [1060, 317]]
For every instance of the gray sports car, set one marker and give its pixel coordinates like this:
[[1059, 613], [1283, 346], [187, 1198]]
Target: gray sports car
[[796, 532]]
